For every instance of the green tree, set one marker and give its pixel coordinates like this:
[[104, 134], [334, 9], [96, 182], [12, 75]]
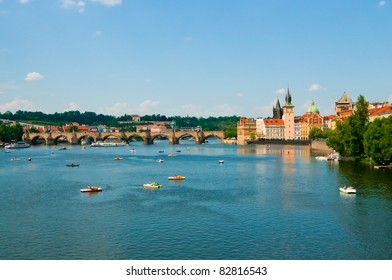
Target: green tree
[[316, 133], [10, 133], [378, 141], [347, 139]]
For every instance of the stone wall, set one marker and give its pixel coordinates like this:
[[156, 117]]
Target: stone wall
[[321, 145]]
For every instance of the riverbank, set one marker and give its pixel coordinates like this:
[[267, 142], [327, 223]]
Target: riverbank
[[280, 142]]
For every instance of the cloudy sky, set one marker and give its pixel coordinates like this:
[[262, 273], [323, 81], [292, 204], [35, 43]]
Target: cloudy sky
[[194, 57]]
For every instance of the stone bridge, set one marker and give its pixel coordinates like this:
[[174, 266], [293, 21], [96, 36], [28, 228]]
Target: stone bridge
[[148, 137]]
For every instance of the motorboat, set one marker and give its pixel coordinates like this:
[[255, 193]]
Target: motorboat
[[160, 160], [321, 158], [221, 161], [118, 158], [152, 185], [176, 177], [348, 190], [17, 145], [73, 164], [91, 189], [171, 155], [132, 150], [108, 144]]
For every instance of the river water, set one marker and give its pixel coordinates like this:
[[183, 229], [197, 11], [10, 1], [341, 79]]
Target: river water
[[279, 203]]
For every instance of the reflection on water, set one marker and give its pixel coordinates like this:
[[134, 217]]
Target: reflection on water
[[275, 203]]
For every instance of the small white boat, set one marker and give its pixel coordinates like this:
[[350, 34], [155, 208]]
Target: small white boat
[[221, 161], [348, 190], [152, 185], [108, 144], [322, 158], [160, 160], [91, 189]]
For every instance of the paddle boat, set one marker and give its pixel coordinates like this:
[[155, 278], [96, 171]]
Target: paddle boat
[[348, 190], [176, 178], [152, 185], [91, 189]]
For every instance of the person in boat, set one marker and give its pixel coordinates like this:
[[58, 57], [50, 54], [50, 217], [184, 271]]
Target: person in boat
[[345, 187], [89, 187]]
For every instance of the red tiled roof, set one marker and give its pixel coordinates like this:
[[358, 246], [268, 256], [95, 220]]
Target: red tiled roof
[[379, 111], [273, 122]]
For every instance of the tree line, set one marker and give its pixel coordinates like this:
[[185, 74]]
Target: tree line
[[360, 139], [229, 123], [10, 133]]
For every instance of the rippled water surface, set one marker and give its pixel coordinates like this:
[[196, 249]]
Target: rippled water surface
[[260, 204]]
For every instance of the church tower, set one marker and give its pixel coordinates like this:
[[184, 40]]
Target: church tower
[[277, 111], [288, 117]]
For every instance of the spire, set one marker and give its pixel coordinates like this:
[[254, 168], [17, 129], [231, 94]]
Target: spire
[[288, 99], [277, 104]]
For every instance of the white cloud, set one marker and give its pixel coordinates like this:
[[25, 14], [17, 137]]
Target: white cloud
[[24, 1], [71, 107], [223, 110], [97, 34], [72, 4], [314, 87], [239, 94], [32, 76], [389, 99], [146, 104], [280, 91], [17, 104], [382, 3], [108, 2], [119, 109]]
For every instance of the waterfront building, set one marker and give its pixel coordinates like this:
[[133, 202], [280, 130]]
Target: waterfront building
[[343, 107], [310, 120], [246, 130], [260, 128], [297, 128], [288, 118], [383, 112], [329, 122], [274, 128]]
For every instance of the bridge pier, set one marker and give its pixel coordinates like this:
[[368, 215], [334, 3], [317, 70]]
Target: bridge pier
[[50, 140]]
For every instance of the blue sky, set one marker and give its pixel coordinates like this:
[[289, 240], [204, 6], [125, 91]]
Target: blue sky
[[192, 57]]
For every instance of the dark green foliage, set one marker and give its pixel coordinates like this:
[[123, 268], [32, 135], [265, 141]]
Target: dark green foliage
[[347, 139], [378, 141], [317, 133], [10, 133]]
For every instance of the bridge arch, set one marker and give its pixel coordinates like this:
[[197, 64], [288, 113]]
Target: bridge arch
[[56, 139], [133, 137], [85, 137], [39, 140]]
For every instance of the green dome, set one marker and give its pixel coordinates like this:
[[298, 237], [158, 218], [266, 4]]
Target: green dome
[[313, 109]]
